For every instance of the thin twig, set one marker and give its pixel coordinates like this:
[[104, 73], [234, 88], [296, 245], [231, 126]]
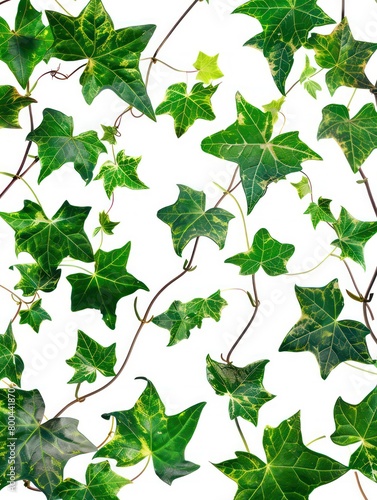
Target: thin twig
[[343, 13], [29, 487], [4, 1], [242, 435], [365, 305], [369, 191], [142, 471], [359, 485], [356, 287]]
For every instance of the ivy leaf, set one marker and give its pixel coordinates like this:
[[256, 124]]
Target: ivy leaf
[[122, 173], [312, 88], [146, 431], [34, 315], [186, 107], [188, 219], [11, 364], [302, 187], [11, 103], [292, 470], [244, 386], [41, 449], [274, 107], [101, 484], [319, 331], [320, 211], [344, 56], [113, 55], [261, 161], [106, 225], [34, 279], [352, 236], [356, 136], [308, 71], [286, 25], [265, 252], [109, 134], [57, 145], [208, 69], [355, 423], [89, 358], [109, 283], [25, 46], [182, 317], [48, 241]]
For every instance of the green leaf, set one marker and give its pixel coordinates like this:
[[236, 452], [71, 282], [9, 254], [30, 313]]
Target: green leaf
[[312, 88], [101, 484], [57, 145], [308, 71], [25, 46], [34, 279], [186, 107], [358, 424], [48, 241], [244, 386], [41, 449], [320, 211], [89, 358], [286, 25], [106, 225], [261, 161], [344, 56], [274, 108], [108, 284], [110, 134], [113, 55], [292, 470], [352, 236], [182, 317], [188, 219], [303, 187], [11, 364], [146, 431], [356, 136], [265, 252], [11, 103], [123, 173], [319, 331], [34, 315], [208, 69]]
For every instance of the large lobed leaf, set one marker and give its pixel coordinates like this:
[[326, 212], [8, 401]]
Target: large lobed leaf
[[11, 364], [35, 278]]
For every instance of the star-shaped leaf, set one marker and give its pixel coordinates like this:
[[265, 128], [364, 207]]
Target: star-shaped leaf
[[89, 358], [356, 136], [146, 431], [48, 241], [34, 315], [182, 317], [243, 385], [109, 134], [286, 26], [101, 484], [358, 424], [123, 173], [188, 219], [34, 278], [41, 449], [353, 234], [319, 331], [113, 55], [320, 211], [109, 283], [105, 224], [11, 364], [274, 108], [57, 145], [186, 107], [344, 56], [11, 103], [312, 88], [208, 69], [292, 470], [302, 187], [261, 160], [265, 252], [25, 46]]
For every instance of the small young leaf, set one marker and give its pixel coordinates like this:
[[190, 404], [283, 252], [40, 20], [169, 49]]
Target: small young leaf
[[208, 69], [110, 134], [274, 107], [11, 103], [34, 279], [312, 88], [302, 187], [11, 365], [34, 315], [308, 71], [106, 225], [320, 211]]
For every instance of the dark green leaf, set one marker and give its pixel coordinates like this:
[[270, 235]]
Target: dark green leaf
[[11, 365], [11, 103], [247, 143], [188, 219], [208, 69], [89, 358], [113, 55], [319, 331], [34, 315], [303, 187], [146, 431], [57, 145], [274, 108], [109, 134], [243, 385], [34, 279], [320, 211], [106, 225], [108, 284]]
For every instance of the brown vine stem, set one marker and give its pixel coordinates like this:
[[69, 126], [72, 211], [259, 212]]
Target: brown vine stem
[[367, 297], [357, 288], [369, 191], [109, 434], [4, 1], [29, 487], [360, 487], [343, 13], [142, 471]]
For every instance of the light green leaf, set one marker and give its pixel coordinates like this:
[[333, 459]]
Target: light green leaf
[[106, 225], [11, 103], [244, 386], [303, 187], [11, 364], [109, 134], [34, 278], [319, 331], [308, 71], [208, 69], [188, 219], [312, 88], [146, 431], [274, 108], [320, 211], [186, 107], [261, 160], [34, 315]]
